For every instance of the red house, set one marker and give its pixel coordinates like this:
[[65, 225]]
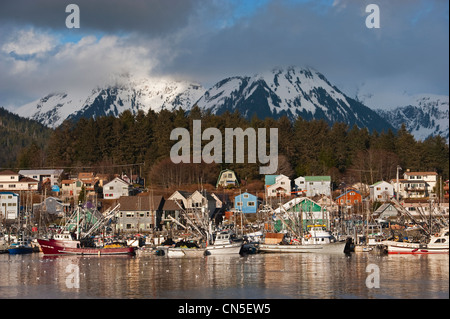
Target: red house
[[349, 198]]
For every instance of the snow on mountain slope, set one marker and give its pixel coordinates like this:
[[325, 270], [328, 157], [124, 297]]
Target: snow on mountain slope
[[423, 116], [122, 93], [292, 92]]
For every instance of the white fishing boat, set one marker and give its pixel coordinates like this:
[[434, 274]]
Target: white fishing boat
[[224, 245], [183, 249], [317, 240], [438, 244], [185, 252]]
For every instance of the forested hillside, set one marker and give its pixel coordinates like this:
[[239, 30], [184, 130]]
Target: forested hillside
[[22, 141], [305, 148]]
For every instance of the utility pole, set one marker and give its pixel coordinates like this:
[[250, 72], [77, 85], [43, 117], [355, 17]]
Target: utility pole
[[398, 182]]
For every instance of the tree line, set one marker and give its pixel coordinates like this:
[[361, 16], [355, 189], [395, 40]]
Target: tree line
[[142, 141]]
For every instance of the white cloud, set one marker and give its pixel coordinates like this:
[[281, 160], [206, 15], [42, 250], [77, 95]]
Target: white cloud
[[29, 42]]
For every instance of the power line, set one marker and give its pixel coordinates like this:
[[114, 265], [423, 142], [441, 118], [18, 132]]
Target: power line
[[74, 167]]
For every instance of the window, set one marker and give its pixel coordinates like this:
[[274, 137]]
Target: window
[[251, 204], [111, 188], [246, 196], [238, 203], [12, 186]]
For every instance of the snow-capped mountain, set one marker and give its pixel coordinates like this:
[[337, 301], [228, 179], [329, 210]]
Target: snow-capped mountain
[[122, 93], [293, 92], [424, 116]]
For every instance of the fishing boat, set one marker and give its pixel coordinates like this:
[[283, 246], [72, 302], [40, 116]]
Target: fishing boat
[[437, 244], [65, 244], [20, 247], [76, 237], [316, 241], [184, 249], [224, 245]]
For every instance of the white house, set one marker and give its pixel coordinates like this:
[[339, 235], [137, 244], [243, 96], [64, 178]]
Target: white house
[[11, 181], [420, 184], [381, 191], [116, 188], [9, 205], [226, 178], [313, 185], [278, 185], [43, 175]]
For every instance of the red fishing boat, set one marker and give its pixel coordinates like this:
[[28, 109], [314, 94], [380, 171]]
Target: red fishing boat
[[64, 244], [75, 239]]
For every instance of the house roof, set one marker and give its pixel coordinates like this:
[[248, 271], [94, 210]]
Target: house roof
[[378, 183], [118, 179], [41, 171], [270, 179], [140, 203], [8, 172], [317, 178], [420, 173], [348, 191], [171, 204]]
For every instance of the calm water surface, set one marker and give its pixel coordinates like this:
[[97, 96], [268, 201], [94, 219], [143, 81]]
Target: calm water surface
[[273, 276]]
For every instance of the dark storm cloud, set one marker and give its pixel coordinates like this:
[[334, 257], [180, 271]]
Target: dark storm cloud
[[207, 40], [152, 17], [410, 48]]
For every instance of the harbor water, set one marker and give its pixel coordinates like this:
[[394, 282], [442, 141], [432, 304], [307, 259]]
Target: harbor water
[[260, 276]]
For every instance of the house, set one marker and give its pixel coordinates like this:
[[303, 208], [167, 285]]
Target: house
[[386, 211], [12, 181], [9, 205], [70, 188], [196, 202], [116, 189], [43, 176], [139, 213], [227, 178], [349, 197], [52, 205], [277, 185], [311, 214], [247, 203], [419, 184], [171, 209], [181, 196], [381, 191], [202, 200], [311, 186]]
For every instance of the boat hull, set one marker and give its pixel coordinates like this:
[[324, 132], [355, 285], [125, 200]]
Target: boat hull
[[55, 247], [325, 248], [401, 248], [185, 252], [226, 249], [20, 250]]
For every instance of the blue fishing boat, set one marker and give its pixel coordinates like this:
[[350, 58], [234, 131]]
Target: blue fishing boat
[[21, 247]]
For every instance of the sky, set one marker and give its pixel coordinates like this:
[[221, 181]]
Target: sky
[[208, 40]]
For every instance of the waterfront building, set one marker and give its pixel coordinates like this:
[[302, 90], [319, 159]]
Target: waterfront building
[[227, 178], [277, 185], [247, 203], [139, 213], [381, 191], [312, 186], [116, 189], [9, 206]]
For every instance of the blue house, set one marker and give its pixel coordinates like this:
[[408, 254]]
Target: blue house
[[247, 203]]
